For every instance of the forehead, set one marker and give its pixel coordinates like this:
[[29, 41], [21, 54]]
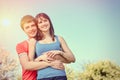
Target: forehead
[[41, 18], [29, 24]]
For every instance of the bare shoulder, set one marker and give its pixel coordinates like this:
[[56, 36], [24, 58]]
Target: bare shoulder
[[61, 39]]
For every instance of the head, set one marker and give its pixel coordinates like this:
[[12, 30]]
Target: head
[[44, 20], [29, 26]]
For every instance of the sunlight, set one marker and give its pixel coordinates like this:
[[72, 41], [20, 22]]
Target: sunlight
[[6, 22]]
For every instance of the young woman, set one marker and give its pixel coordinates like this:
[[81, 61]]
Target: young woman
[[52, 45]]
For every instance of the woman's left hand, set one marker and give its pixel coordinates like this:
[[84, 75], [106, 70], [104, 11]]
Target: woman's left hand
[[53, 53]]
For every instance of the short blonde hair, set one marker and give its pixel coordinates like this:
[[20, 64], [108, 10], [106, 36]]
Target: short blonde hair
[[26, 19]]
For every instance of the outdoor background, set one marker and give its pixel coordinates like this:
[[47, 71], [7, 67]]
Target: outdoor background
[[91, 28]]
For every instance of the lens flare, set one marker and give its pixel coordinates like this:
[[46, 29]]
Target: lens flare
[[6, 22]]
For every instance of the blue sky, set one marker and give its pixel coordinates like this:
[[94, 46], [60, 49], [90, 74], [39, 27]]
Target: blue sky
[[91, 28]]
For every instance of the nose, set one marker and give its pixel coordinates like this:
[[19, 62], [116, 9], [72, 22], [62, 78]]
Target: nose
[[31, 28]]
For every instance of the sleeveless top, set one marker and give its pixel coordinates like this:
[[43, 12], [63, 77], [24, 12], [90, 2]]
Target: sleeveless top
[[49, 71]]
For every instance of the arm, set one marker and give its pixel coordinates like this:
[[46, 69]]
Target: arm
[[61, 58], [67, 53], [31, 44], [56, 55], [31, 48], [43, 58], [31, 65]]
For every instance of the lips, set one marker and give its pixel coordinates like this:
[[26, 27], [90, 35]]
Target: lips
[[33, 32], [45, 26]]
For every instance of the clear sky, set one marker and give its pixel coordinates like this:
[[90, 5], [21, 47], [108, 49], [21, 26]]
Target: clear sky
[[91, 28]]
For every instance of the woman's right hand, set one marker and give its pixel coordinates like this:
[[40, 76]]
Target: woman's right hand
[[32, 42], [57, 64], [44, 57], [31, 48]]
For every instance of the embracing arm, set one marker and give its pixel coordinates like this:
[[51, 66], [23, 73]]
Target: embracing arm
[[57, 55], [31, 48], [44, 57], [32, 65], [28, 64], [26, 59], [67, 53], [31, 55], [62, 59]]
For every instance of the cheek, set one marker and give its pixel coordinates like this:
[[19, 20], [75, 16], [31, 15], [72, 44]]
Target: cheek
[[49, 24], [25, 30], [35, 28], [39, 27]]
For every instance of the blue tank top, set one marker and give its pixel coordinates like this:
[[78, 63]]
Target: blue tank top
[[49, 71]]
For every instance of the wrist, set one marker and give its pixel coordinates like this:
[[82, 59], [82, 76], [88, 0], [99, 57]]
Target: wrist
[[49, 63], [61, 53]]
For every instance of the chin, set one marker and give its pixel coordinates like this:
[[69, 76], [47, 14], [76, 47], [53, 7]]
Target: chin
[[32, 36]]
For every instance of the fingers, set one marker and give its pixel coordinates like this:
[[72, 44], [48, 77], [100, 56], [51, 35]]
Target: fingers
[[52, 54], [31, 41], [50, 59], [57, 65], [61, 66]]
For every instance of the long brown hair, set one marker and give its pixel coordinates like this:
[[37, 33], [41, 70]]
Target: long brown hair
[[51, 26]]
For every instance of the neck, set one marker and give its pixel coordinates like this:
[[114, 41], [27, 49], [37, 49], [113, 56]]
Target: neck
[[46, 35], [31, 37]]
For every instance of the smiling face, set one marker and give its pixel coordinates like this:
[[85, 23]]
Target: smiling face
[[30, 29], [43, 24], [29, 26]]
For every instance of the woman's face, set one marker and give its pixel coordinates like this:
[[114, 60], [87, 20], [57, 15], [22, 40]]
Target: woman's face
[[43, 24]]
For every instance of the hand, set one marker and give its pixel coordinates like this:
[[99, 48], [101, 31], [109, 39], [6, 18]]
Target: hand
[[41, 58], [57, 64], [32, 41], [44, 57], [53, 53]]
